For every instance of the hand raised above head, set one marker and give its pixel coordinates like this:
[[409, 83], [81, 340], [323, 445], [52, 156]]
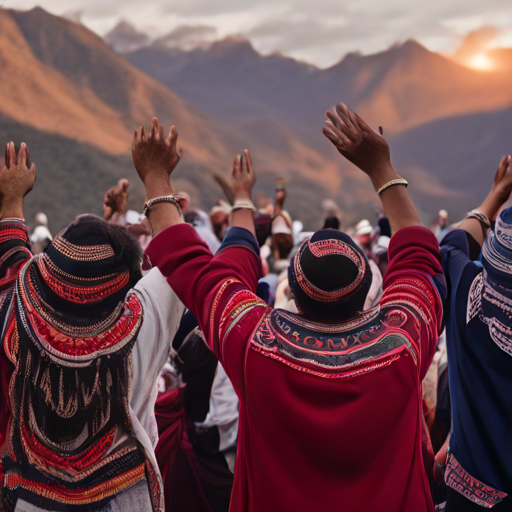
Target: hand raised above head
[[356, 141], [243, 175], [155, 156], [502, 186], [17, 175]]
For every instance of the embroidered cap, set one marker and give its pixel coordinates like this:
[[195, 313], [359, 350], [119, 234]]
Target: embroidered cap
[[89, 261], [329, 276]]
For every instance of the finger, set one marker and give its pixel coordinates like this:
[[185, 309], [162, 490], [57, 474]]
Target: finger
[[155, 127], [236, 166], [27, 152], [22, 155], [161, 133], [173, 136], [343, 111], [327, 132], [335, 120], [502, 168], [12, 154], [346, 127], [135, 140], [359, 121], [341, 135], [248, 158], [7, 156]]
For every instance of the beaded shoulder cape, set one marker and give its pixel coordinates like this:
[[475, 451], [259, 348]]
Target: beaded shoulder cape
[[68, 395]]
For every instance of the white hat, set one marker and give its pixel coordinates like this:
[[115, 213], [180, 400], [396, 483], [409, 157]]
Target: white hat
[[363, 228], [282, 224]]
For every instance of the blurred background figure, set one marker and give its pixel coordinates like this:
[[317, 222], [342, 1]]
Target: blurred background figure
[[41, 236], [441, 227], [115, 211], [332, 215], [219, 217]]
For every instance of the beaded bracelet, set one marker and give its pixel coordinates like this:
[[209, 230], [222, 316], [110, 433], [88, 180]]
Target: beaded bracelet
[[161, 199], [479, 216], [243, 204], [392, 183]]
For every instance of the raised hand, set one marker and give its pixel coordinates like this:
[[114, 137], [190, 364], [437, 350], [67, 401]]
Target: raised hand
[[502, 186], [155, 156], [115, 200], [358, 143], [17, 178], [243, 176]]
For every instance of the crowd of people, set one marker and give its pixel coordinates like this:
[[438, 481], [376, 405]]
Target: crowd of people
[[174, 360]]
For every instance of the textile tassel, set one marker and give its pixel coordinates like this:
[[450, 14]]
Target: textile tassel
[[67, 408], [88, 397]]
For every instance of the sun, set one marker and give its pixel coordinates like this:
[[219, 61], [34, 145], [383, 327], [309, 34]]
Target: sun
[[481, 62]]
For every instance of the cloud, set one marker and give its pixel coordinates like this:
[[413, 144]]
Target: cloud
[[319, 31]]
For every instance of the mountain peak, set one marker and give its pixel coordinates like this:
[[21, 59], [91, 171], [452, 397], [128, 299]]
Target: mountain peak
[[124, 37], [236, 44]]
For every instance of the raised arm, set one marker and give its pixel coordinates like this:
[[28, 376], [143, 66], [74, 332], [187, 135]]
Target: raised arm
[[182, 257], [17, 177], [475, 224], [362, 146]]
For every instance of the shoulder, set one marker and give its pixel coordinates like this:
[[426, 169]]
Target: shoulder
[[156, 294]]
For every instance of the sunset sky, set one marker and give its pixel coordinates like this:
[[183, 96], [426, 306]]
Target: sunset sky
[[318, 31]]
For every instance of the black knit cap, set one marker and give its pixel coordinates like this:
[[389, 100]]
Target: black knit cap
[[330, 277]]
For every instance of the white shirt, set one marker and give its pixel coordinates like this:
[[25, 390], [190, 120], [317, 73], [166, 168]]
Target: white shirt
[[223, 411]]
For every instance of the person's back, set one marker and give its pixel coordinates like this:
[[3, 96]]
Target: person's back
[[330, 400], [478, 334], [81, 390]]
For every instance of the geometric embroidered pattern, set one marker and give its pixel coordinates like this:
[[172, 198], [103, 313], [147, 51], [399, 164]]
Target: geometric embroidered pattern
[[457, 478]]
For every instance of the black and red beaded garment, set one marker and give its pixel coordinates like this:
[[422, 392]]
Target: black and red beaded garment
[[68, 327]]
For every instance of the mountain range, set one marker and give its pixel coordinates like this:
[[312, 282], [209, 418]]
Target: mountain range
[[76, 102]]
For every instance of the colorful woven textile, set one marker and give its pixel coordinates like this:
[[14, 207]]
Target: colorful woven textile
[[67, 330]]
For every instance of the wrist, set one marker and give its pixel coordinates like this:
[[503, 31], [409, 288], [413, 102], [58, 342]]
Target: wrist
[[382, 176], [11, 208], [157, 188], [243, 195], [492, 204]]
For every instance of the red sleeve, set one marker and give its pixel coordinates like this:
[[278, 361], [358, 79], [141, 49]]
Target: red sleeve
[[414, 263], [14, 252], [210, 286]]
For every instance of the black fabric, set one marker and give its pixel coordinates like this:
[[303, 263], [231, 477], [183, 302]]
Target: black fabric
[[384, 226], [263, 227], [331, 223], [330, 273], [342, 271], [197, 365]]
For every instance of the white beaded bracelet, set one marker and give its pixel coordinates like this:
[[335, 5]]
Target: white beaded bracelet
[[162, 199]]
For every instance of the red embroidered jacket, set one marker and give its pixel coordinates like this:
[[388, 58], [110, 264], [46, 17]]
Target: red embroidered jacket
[[330, 415]]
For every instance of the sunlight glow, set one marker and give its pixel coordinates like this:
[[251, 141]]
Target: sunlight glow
[[481, 62]]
